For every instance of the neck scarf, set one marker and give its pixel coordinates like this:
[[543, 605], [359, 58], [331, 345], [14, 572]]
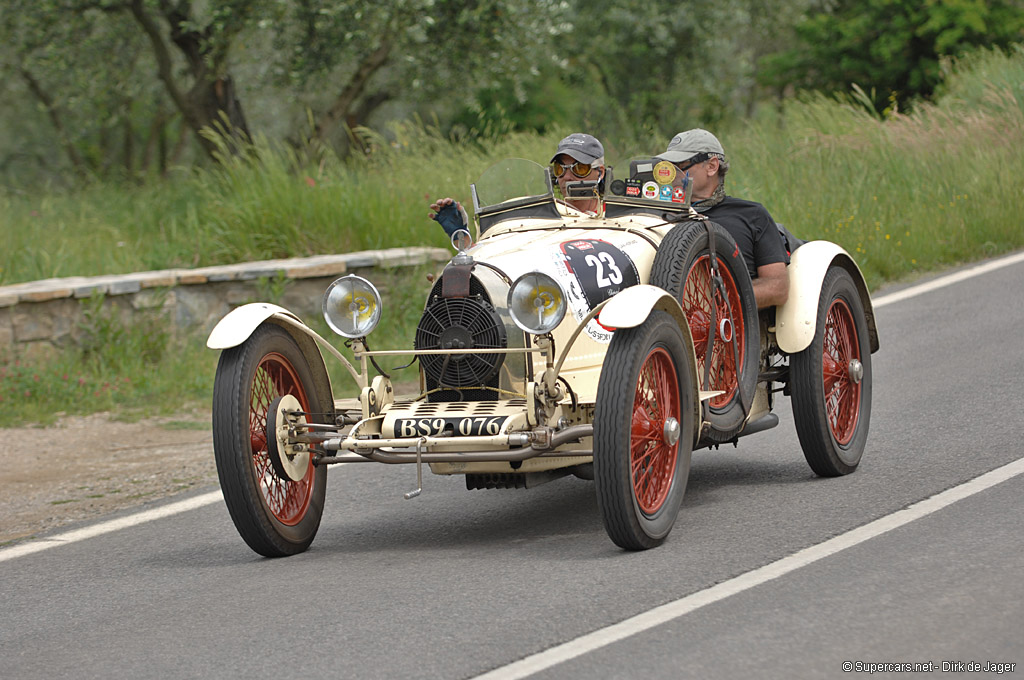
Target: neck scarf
[[716, 197]]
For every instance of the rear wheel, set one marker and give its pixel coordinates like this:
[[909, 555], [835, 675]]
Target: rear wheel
[[643, 432], [725, 318], [831, 381], [275, 515]]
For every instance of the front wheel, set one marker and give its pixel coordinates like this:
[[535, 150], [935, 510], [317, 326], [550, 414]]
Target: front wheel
[[275, 515], [643, 432], [831, 381]]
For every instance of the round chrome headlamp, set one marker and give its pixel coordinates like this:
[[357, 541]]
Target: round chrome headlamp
[[352, 306], [536, 303]]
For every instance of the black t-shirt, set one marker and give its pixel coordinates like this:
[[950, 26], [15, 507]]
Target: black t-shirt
[[753, 229]]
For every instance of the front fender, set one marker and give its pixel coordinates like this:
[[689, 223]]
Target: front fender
[[797, 318], [631, 307], [239, 323]]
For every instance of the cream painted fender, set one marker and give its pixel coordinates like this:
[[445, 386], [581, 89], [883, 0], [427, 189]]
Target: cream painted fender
[[631, 306], [795, 321], [240, 322]]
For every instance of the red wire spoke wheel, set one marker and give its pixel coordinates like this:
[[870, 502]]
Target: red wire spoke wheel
[[842, 393], [644, 427], [653, 459], [287, 500], [699, 300], [274, 515], [830, 380]]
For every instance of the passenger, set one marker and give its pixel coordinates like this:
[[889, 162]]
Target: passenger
[[578, 158], [699, 153]]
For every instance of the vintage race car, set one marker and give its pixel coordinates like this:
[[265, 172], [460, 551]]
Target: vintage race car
[[555, 342]]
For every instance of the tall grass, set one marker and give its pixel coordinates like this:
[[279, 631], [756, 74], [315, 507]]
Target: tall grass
[[903, 193], [267, 202]]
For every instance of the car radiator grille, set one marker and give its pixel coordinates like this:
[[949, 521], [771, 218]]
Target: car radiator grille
[[460, 323]]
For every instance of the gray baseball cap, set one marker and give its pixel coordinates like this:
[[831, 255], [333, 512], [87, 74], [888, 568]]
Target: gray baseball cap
[[582, 147], [686, 145]]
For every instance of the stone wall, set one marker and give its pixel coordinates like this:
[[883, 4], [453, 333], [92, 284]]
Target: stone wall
[[43, 316]]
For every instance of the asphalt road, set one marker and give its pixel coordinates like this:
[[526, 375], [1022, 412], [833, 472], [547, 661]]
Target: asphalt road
[[455, 583]]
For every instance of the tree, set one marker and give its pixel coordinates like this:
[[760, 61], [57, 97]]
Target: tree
[[890, 47], [663, 66], [84, 70], [365, 54], [203, 91]]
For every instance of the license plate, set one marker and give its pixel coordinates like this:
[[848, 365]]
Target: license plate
[[465, 426]]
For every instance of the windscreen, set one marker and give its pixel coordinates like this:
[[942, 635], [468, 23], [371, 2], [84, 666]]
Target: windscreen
[[513, 178]]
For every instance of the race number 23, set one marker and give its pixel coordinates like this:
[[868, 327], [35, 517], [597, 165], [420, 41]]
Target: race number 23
[[465, 426], [607, 273], [601, 269]]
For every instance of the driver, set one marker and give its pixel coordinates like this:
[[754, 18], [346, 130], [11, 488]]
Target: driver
[[578, 158], [699, 153]]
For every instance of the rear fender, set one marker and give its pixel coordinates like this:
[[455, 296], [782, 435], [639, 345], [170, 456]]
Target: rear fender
[[796, 320], [236, 327]]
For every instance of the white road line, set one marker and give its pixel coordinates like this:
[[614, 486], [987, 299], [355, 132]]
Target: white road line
[[30, 547], [536, 663], [947, 280], [199, 501]]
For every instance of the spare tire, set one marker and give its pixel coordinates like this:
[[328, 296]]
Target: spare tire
[[728, 320]]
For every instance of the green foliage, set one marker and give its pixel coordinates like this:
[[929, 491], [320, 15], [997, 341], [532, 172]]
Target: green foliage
[[125, 365], [272, 201], [539, 105], [105, 341], [891, 48], [903, 194], [990, 81], [85, 78]]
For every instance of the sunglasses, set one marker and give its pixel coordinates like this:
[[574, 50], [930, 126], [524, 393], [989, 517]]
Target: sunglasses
[[696, 160], [579, 169]]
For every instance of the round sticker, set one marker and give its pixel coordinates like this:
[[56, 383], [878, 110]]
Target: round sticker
[[664, 172], [665, 192], [618, 187], [650, 190]]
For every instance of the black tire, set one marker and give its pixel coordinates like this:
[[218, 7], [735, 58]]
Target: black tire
[[831, 409], [274, 515], [681, 267], [645, 374]]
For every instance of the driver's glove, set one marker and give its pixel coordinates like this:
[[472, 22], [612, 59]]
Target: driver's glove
[[452, 217]]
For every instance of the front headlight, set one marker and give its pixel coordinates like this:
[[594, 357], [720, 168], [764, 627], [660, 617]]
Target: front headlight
[[536, 303], [352, 306]]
